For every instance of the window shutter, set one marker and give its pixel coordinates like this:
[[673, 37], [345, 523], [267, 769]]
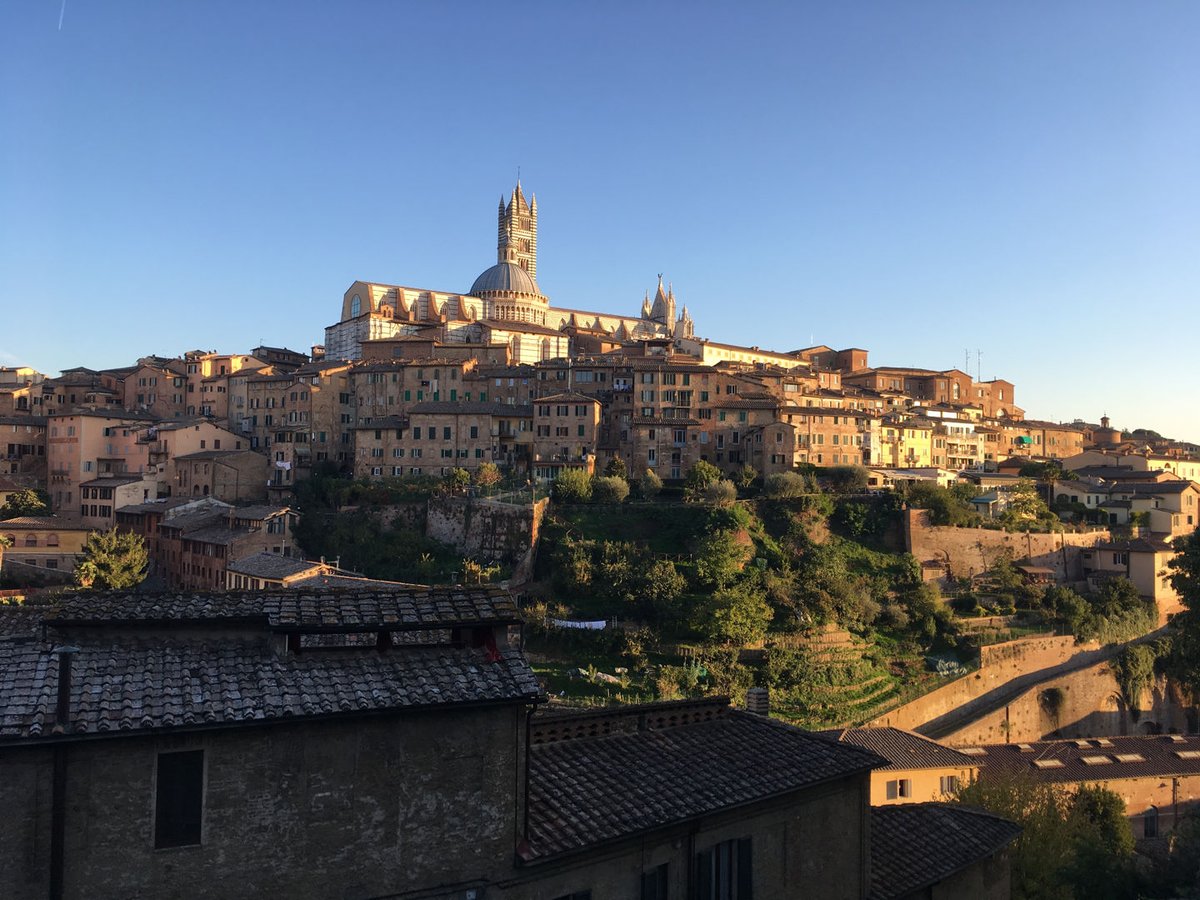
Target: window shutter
[[704, 876], [745, 873]]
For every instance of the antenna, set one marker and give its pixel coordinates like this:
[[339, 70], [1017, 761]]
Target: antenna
[[967, 360], [979, 365]]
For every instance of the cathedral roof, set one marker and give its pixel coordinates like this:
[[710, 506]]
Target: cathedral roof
[[505, 276]]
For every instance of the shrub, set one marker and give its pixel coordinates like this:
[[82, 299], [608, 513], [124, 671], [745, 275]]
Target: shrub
[[649, 484], [782, 485], [573, 486], [720, 493], [609, 489]]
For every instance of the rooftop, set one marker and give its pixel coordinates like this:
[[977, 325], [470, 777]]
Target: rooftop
[[903, 749], [680, 760], [272, 565], [917, 845], [1095, 759]]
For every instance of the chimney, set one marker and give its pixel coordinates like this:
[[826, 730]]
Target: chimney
[[758, 701], [62, 711]]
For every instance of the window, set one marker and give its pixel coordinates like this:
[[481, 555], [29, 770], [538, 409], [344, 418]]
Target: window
[[1150, 823], [725, 872], [178, 798], [899, 789], [949, 784], [654, 883]]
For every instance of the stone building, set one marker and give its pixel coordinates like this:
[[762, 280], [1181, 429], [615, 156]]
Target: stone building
[[387, 743], [918, 769]]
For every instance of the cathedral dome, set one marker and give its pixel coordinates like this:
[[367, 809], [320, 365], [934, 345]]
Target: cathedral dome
[[508, 277]]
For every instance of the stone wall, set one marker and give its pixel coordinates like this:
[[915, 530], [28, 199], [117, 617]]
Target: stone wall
[[999, 666], [332, 808], [1090, 705], [970, 551], [485, 529]]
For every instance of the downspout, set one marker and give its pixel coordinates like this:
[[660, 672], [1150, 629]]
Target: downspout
[[58, 786]]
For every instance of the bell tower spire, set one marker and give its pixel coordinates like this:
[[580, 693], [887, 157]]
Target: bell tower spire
[[517, 239]]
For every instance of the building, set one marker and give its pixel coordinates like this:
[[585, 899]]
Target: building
[[386, 743], [42, 547], [1158, 776], [918, 769]]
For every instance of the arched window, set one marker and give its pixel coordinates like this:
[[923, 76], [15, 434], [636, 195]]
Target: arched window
[[1150, 823], [31, 540], [52, 540], [355, 307]]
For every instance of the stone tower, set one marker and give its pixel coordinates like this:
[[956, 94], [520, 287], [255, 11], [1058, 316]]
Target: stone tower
[[517, 232]]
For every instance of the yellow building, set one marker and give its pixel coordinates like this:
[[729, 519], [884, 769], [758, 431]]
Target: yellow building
[[42, 546], [919, 770]]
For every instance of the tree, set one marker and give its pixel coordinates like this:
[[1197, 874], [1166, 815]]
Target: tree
[[719, 558], [616, 468], [660, 589], [649, 484], [1072, 845], [112, 560], [1026, 509], [720, 493], [1047, 473], [846, 479], [738, 616], [24, 503], [609, 489], [1183, 662], [784, 485], [744, 477], [457, 481], [699, 477], [487, 475], [573, 486]]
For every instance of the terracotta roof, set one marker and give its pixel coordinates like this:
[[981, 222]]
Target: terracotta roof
[[469, 408], [566, 397], [1108, 758], [590, 790], [917, 845], [21, 522], [903, 749], [290, 610]]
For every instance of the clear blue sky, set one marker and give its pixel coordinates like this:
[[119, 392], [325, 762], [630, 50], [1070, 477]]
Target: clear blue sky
[[916, 179]]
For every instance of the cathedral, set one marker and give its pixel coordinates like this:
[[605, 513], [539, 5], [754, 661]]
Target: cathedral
[[504, 307]]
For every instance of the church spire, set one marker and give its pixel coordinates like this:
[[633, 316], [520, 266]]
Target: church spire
[[517, 232]]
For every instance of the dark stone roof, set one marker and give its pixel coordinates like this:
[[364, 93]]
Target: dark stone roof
[[129, 685], [662, 764], [903, 749], [917, 845], [469, 408], [271, 565], [287, 610], [1151, 756]]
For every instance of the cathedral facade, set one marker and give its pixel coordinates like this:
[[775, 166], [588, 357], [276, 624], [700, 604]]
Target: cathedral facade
[[503, 307]]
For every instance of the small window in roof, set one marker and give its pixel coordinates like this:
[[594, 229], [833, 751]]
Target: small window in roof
[[1176, 738], [1104, 742], [1025, 748], [1048, 763], [1188, 754], [1082, 744], [1130, 757], [973, 751], [1095, 760]]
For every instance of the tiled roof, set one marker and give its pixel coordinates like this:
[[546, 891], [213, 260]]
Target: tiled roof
[[258, 511], [1108, 758], [22, 522], [590, 790], [469, 408], [126, 686], [903, 749], [917, 845], [387, 609], [271, 565]]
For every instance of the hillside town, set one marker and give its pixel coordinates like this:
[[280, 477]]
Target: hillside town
[[487, 596]]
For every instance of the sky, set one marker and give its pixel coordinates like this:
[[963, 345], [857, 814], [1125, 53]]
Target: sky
[[1013, 184]]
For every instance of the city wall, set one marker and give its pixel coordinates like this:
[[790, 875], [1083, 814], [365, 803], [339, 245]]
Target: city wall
[[999, 665], [969, 551], [486, 529], [1080, 704]]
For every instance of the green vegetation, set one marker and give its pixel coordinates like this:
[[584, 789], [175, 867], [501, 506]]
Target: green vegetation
[[720, 576], [342, 520], [112, 561], [609, 489], [1073, 844], [25, 503], [1182, 659]]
